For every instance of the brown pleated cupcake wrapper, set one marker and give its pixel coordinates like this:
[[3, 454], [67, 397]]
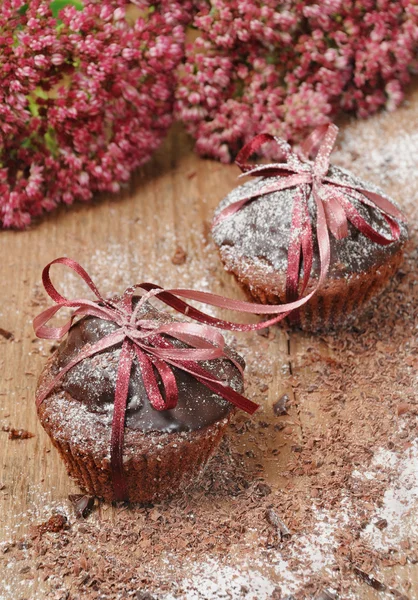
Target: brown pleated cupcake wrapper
[[335, 304], [150, 477]]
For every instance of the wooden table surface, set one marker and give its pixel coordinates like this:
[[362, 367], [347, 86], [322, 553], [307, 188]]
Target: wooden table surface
[[121, 240]]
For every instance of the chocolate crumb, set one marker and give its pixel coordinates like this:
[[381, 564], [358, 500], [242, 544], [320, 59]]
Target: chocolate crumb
[[17, 434], [82, 504], [8, 335], [280, 406], [179, 257], [54, 524]]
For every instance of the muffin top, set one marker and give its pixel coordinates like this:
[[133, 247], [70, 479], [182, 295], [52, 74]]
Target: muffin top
[[260, 231], [92, 382]]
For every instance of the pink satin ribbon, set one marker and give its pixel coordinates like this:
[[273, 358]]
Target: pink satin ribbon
[[148, 341], [332, 199]]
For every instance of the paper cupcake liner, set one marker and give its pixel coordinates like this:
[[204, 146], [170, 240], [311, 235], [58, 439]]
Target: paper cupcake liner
[[153, 471], [334, 305]]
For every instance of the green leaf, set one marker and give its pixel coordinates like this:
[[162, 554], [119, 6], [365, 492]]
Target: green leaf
[[51, 141], [22, 10], [33, 107], [27, 143], [57, 5]]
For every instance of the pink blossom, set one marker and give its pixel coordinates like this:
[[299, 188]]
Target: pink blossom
[[83, 101], [286, 66]]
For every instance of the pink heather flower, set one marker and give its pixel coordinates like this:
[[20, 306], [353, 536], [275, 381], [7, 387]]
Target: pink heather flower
[[284, 66], [85, 98]]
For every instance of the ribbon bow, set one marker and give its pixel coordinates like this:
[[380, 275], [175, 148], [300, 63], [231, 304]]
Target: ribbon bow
[[332, 200], [149, 341]]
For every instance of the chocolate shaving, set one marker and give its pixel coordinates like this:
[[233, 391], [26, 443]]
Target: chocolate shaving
[[8, 335], [403, 408], [279, 407], [274, 519], [381, 524], [144, 596], [179, 257], [263, 489], [82, 504], [370, 580], [17, 434], [264, 332], [325, 595]]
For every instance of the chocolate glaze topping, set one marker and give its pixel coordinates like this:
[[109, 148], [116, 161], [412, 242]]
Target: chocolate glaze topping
[[261, 230], [93, 383]]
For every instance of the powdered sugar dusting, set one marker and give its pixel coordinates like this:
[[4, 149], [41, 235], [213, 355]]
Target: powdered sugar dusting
[[259, 233], [399, 501], [214, 580], [341, 461]]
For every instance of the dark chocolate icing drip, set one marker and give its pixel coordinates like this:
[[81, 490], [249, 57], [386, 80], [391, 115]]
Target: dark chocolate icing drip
[[93, 382]]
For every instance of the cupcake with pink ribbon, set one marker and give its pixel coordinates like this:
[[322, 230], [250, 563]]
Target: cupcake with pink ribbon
[[302, 228], [135, 402]]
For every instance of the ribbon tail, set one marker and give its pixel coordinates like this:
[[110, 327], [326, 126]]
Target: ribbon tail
[[209, 380], [323, 239], [294, 251], [254, 145], [169, 383], [366, 229], [307, 243], [118, 422], [217, 386], [326, 141], [151, 385], [335, 213], [170, 298], [230, 395], [372, 199]]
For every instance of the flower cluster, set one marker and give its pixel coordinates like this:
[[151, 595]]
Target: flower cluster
[[86, 95], [281, 66]]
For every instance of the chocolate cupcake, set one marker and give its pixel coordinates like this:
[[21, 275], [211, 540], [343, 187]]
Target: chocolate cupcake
[[254, 240], [163, 450]]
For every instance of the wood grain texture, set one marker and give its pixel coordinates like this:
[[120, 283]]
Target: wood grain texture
[[169, 203]]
